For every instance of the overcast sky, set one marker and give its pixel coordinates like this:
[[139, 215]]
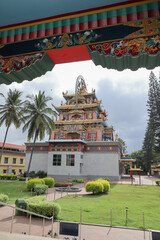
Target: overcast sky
[[123, 95]]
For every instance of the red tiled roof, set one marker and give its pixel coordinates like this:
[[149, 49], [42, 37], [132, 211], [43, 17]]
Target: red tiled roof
[[8, 145]]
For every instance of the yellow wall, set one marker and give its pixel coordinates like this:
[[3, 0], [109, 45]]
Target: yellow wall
[[15, 166]]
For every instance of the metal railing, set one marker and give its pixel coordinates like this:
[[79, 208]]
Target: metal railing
[[30, 217]]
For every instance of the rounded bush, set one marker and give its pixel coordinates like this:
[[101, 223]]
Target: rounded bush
[[40, 188], [32, 182], [49, 181], [94, 186], [4, 198], [105, 183]]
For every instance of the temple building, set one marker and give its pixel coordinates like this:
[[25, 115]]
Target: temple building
[[82, 144]]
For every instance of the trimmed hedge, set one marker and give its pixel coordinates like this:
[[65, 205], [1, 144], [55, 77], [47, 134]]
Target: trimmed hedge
[[32, 182], [39, 205], [157, 182], [50, 182], [4, 198], [40, 189], [24, 178], [78, 180], [8, 177], [98, 186]]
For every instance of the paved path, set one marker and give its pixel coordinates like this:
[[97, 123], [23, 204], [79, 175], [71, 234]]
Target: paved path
[[88, 232]]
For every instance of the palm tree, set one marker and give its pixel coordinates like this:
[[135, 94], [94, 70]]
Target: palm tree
[[37, 120], [11, 112]]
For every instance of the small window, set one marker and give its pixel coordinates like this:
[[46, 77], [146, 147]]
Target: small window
[[4, 171], [21, 161], [70, 160], [56, 160], [14, 160], [5, 160]]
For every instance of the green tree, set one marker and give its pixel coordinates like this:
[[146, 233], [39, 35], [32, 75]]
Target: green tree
[[11, 112], [139, 156], [37, 120], [152, 135], [123, 145]]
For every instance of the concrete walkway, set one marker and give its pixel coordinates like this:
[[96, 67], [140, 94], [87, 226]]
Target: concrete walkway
[[88, 232]]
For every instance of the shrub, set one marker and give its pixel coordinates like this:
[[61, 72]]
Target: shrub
[[4, 198], [32, 182], [41, 174], [49, 181], [97, 186], [44, 208], [105, 183], [8, 177], [36, 199], [40, 188], [157, 182], [94, 186], [78, 180], [24, 178], [32, 174]]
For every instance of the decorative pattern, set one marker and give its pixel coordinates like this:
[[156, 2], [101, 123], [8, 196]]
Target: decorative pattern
[[18, 63], [132, 47], [67, 40]]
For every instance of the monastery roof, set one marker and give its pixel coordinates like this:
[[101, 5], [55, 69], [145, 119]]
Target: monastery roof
[[69, 122], [14, 146], [80, 106]]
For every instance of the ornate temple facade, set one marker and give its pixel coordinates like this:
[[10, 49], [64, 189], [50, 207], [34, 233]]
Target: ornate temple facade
[[82, 117], [82, 144]]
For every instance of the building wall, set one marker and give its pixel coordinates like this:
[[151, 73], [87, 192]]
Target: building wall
[[101, 165], [10, 167], [39, 161], [60, 172]]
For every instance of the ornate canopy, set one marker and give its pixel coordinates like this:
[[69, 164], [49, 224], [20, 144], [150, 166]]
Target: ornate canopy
[[36, 35]]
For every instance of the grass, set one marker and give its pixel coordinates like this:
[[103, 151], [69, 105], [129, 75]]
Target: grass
[[15, 189], [96, 208]]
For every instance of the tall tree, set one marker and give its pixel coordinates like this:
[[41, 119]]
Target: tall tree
[[152, 135], [11, 112], [37, 120]]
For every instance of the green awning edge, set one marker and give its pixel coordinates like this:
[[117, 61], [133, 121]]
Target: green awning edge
[[37, 69], [143, 60]]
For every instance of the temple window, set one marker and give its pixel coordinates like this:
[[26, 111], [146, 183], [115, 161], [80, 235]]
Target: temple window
[[92, 136], [57, 160], [70, 160]]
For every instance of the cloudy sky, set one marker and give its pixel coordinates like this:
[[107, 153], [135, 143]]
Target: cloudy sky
[[123, 95]]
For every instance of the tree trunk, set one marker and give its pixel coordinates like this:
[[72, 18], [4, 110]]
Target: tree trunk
[[4, 142], [30, 160]]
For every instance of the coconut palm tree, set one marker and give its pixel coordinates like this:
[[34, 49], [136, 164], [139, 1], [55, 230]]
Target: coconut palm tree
[[11, 112], [37, 120]]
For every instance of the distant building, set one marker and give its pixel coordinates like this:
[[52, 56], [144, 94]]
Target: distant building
[[82, 144], [13, 159]]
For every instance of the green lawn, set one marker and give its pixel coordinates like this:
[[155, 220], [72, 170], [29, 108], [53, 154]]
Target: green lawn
[[96, 208], [14, 190]]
